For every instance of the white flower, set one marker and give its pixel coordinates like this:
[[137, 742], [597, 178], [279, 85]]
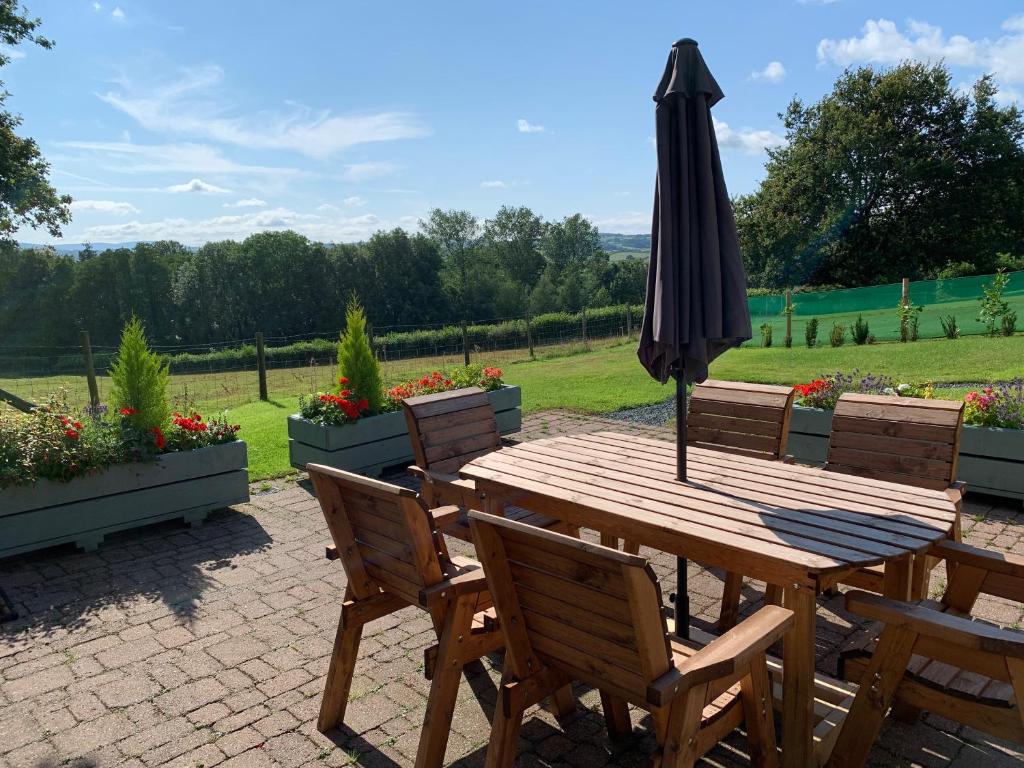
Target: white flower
[[889, 391], [902, 387]]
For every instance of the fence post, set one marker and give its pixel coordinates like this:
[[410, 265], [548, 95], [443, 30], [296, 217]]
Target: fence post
[[261, 365], [465, 342], [789, 318], [583, 313], [903, 303], [629, 321], [529, 335], [90, 370]]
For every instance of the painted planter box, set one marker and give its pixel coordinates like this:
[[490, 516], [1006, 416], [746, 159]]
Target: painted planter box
[[187, 485], [371, 445], [991, 459]]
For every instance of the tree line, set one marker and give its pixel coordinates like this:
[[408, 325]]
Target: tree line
[[283, 284]]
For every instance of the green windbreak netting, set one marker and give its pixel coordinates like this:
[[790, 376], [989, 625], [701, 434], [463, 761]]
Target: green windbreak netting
[[958, 297]]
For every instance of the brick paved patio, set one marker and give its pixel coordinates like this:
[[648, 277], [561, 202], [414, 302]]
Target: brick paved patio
[[172, 646]]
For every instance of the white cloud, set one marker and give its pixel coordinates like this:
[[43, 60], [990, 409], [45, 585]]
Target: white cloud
[[194, 106], [882, 42], [773, 73], [239, 226], [746, 139], [198, 186], [96, 6], [818, 2], [249, 202], [355, 201], [126, 157], [525, 126], [626, 222], [493, 184], [117, 13], [368, 170], [111, 207], [10, 53], [328, 208]]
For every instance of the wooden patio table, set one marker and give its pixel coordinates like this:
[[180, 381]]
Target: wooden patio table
[[800, 529]]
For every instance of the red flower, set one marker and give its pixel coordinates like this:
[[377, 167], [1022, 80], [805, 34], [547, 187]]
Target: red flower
[[492, 373], [129, 412], [343, 380], [77, 425], [346, 392], [158, 438], [362, 405], [70, 434]]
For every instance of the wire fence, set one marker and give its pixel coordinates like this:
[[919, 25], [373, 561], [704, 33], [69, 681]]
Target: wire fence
[[231, 373]]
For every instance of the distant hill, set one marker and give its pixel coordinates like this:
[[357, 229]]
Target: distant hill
[[621, 247], [72, 249]]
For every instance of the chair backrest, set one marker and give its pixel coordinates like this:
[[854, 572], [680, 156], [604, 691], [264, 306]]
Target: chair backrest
[[905, 440], [733, 416], [592, 612], [449, 429], [383, 533]]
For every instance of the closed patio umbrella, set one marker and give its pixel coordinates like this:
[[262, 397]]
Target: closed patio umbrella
[[696, 305]]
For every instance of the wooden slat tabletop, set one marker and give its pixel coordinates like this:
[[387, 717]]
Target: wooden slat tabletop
[[766, 519]]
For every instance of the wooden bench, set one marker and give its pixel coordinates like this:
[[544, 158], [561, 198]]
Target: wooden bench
[[576, 611], [450, 429], [906, 440], [394, 558], [741, 418], [932, 656]]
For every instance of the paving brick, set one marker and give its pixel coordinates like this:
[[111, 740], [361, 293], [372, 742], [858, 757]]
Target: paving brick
[[239, 741], [190, 696], [86, 737]]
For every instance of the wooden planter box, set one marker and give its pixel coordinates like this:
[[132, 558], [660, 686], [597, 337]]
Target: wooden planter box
[[371, 445], [991, 459], [185, 485]]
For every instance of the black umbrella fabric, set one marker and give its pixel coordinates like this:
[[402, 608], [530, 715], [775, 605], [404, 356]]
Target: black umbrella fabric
[[696, 306]]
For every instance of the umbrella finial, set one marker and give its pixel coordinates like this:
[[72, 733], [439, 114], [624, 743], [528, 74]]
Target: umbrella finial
[[684, 41]]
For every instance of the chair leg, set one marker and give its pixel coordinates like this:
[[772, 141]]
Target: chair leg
[[772, 594], [444, 687], [878, 687], [616, 716], [632, 547], [339, 677], [562, 703], [680, 750], [756, 695], [731, 592], [508, 721]]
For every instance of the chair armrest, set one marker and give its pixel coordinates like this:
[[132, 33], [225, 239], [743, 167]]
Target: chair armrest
[[724, 656], [445, 516], [470, 583], [1003, 563], [788, 459], [956, 492], [943, 627], [331, 552], [417, 471]]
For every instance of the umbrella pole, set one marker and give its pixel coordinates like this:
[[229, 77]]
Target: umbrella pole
[[682, 595]]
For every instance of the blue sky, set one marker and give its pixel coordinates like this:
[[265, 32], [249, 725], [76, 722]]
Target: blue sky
[[206, 120]]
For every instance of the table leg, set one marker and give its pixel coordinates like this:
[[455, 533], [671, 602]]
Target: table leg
[[798, 679], [898, 578], [681, 600]]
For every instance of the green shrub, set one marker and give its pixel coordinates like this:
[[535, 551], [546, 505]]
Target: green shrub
[[993, 306], [356, 361], [811, 332], [766, 335], [861, 333], [1008, 323], [139, 378], [949, 327], [908, 313], [838, 335]]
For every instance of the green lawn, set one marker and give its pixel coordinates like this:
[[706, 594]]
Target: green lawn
[[611, 379]]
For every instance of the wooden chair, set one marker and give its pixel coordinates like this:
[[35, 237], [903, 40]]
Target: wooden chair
[[394, 557], [448, 430], [904, 440], [576, 611], [748, 419], [932, 656]]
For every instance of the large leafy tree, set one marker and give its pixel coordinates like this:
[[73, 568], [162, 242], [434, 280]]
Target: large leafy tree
[[457, 234], [26, 196], [514, 236], [893, 174]]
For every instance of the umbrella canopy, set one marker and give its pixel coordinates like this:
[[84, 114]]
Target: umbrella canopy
[[696, 306]]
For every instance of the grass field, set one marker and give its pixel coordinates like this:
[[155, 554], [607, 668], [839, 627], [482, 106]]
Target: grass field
[[611, 379]]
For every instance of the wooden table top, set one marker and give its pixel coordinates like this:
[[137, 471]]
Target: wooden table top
[[766, 519]]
